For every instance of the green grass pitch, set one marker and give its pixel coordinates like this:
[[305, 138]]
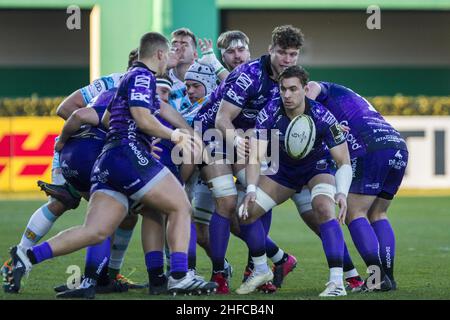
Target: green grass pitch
[[421, 263]]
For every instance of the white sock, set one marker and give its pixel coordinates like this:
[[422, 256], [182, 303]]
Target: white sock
[[38, 226], [260, 264], [120, 245], [278, 256], [350, 274], [336, 276]]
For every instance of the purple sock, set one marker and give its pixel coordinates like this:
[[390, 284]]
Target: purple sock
[[254, 236], [219, 234], [154, 259], [348, 263], [365, 241], [386, 238], [271, 247], [42, 252], [192, 251], [333, 243], [178, 262], [97, 258]]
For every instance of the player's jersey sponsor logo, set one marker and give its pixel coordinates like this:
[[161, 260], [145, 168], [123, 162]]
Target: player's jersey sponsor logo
[[132, 184], [244, 81], [142, 160], [233, 96], [373, 185], [142, 81], [138, 96], [351, 139], [99, 176]]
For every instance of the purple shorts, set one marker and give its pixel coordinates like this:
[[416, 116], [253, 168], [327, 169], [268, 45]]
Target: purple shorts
[[126, 172], [297, 177], [379, 172]]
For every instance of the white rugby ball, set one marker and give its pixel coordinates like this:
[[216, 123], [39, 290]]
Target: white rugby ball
[[300, 137]]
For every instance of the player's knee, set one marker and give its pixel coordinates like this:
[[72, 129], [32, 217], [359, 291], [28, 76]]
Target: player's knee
[[226, 206], [376, 216], [96, 236], [223, 186]]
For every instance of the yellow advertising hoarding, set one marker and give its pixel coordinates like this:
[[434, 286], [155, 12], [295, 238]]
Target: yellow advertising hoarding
[[26, 151]]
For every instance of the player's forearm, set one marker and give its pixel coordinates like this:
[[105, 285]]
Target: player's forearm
[[152, 127], [173, 117], [226, 127], [72, 103], [71, 126]]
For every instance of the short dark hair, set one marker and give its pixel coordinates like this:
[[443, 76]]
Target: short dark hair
[[150, 42], [185, 32], [287, 37], [132, 57], [295, 72], [227, 37]]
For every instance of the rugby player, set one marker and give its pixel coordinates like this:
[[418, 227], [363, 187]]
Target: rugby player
[[283, 179], [126, 170], [379, 157]]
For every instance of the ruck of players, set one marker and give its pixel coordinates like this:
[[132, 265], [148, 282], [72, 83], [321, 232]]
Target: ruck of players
[[203, 148]]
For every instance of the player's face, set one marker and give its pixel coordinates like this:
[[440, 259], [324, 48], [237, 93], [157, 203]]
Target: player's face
[[236, 56], [195, 90], [283, 58], [292, 93], [163, 93], [186, 47], [163, 60]]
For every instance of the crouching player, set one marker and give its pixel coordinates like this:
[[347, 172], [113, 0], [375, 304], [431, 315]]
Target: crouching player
[[379, 157], [316, 171], [125, 170]]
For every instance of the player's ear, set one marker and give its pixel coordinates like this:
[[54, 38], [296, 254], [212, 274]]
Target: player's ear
[[270, 48]]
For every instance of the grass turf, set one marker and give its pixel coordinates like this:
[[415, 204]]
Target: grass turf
[[421, 261]]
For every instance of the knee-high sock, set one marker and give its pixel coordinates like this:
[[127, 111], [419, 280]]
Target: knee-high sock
[[333, 245], [97, 258], [38, 226], [386, 239], [254, 236], [366, 241], [192, 250], [154, 260], [219, 235], [119, 247]]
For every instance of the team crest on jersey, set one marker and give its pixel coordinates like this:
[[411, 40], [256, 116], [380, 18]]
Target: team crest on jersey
[[233, 96], [244, 81], [322, 165], [142, 81]]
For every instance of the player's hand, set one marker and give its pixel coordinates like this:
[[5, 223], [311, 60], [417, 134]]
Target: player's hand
[[208, 56], [59, 145], [345, 128], [249, 200], [242, 146], [189, 144], [341, 201], [205, 46], [155, 149]]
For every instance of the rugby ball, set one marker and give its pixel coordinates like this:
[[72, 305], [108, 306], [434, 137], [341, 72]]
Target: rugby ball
[[300, 137]]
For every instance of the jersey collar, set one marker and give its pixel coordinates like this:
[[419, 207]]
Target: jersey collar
[[139, 64]]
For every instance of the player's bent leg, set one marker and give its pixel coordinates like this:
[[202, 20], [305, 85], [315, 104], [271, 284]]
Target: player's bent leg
[[269, 193], [385, 234], [105, 212], [323, 190], [178, 210], [153, 239], [221, 184]]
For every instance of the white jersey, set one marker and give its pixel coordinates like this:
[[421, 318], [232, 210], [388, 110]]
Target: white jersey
[[178, 91], [100, 85]]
